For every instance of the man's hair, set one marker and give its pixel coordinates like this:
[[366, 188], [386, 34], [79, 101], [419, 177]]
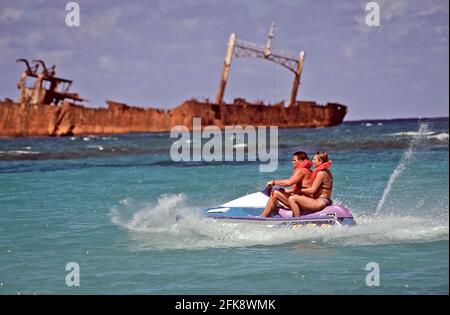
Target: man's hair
[[301, 155]]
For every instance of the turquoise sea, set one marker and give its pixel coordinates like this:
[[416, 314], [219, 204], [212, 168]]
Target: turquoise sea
[[108, 203]]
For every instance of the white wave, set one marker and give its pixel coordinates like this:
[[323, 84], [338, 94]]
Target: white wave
[[19, 152], [155, 227], [443, 136], [412, 133], [391, 229], [98, 147]]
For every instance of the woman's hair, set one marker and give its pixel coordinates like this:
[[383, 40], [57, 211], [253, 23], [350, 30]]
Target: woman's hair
[[323, 156], [301, 155]]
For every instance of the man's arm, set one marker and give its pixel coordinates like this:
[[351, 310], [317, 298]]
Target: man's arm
[[296, 177]]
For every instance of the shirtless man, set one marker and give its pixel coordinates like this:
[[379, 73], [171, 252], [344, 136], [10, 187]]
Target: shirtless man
[[301, 173], [318, 195]]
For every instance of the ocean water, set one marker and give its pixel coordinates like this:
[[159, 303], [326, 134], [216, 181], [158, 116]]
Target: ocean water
[[108, 204]]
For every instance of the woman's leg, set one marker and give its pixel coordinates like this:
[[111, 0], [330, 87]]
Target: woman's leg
[[299, 203], [294, 206], [275, 196]]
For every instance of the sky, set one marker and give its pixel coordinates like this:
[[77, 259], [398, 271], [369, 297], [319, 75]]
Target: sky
[[159, 53]]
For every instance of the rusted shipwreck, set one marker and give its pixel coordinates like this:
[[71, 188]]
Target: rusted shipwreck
[[46, 107]]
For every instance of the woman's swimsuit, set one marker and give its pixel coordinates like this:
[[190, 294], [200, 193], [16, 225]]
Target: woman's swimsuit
[[326, 185], [327, 201]]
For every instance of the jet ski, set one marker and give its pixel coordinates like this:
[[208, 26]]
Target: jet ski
[[247, 209]]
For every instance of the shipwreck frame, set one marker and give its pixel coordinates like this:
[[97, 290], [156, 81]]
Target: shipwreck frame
[[240, 49]]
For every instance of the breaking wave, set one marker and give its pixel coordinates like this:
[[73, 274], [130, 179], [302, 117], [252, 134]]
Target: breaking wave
[[442, 136], [98, 147], [412, 133], [18, 152]]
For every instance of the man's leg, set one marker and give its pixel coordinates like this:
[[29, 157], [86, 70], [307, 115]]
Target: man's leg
[[275, 196], [271, 204], [283, 197]]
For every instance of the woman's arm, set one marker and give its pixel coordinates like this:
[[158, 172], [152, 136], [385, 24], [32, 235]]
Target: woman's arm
[[316, 184]]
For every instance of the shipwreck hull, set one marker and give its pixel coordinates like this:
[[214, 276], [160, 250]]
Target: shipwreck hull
[[18, 119]]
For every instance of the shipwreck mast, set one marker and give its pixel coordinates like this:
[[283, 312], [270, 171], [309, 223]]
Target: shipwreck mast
[[238, 48], [226, 68]]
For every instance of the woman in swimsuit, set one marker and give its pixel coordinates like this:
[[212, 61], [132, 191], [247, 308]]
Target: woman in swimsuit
[[318, 195]]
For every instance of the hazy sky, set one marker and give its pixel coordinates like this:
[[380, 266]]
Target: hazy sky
[[159, 53]]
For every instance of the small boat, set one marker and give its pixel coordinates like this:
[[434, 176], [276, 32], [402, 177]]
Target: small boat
[[247, 209]]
